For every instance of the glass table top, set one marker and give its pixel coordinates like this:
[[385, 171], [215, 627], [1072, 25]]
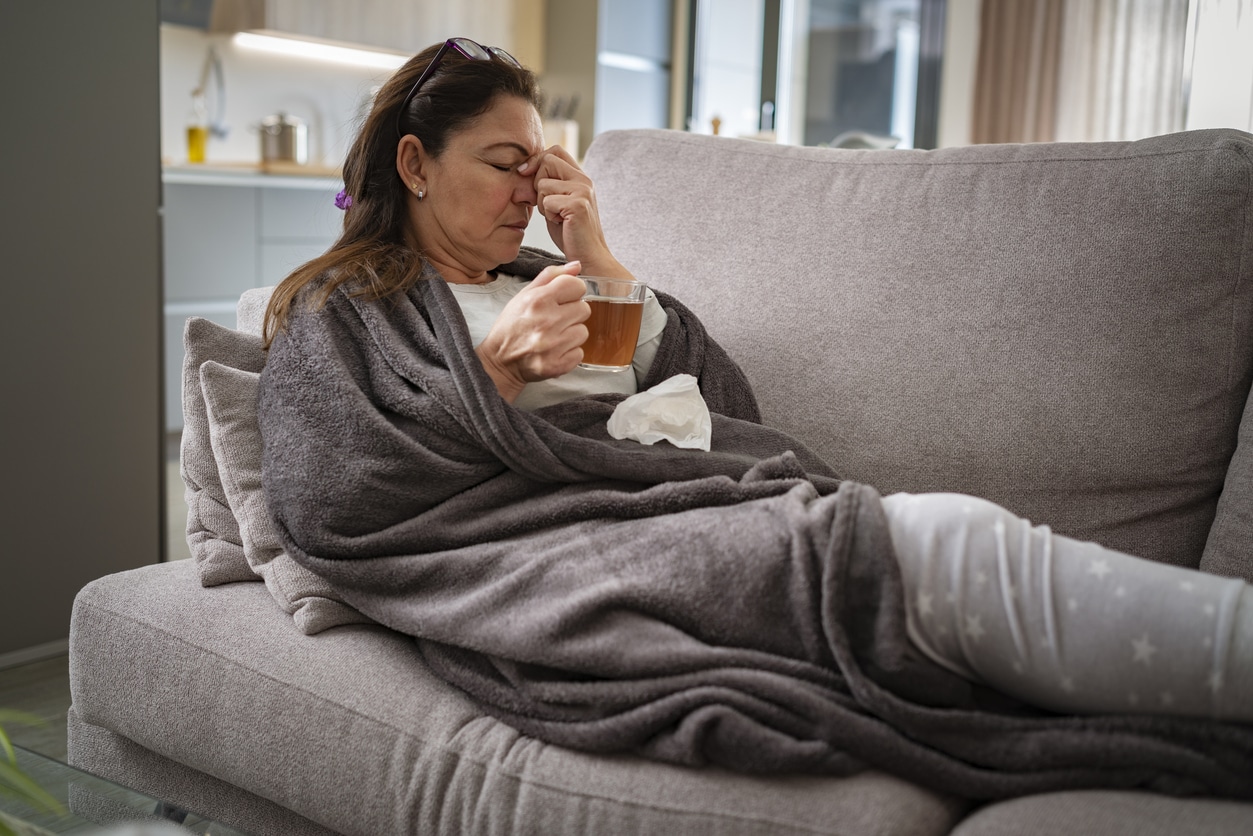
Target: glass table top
[[92, 804]]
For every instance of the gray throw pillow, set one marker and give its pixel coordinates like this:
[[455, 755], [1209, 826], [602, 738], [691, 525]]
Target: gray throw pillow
[[212, 531], [231, 401]]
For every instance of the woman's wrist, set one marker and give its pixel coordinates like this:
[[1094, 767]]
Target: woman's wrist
[[608, 267], [507, 384]]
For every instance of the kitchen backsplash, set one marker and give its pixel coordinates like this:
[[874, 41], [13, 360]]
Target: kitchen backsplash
[[330, 98]]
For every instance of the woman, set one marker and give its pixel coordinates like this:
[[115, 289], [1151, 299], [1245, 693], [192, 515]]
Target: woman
[[473, 180], [423, 377]]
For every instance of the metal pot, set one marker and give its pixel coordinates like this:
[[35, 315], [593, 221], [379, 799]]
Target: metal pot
[[284, 139]]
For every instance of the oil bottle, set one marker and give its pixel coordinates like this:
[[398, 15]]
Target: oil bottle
[[197, 129]]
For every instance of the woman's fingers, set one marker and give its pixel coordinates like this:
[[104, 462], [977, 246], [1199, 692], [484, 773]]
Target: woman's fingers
[[570, 268], [574, 226], [540, 333], [561, 207], [567, 288], [555, 172], [552, 151]]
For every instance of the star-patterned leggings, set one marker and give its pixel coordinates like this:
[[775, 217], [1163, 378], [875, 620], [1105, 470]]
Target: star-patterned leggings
[[1068, 625]]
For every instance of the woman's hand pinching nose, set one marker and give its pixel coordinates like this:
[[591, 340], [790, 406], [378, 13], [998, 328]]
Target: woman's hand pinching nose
[[530, 164]]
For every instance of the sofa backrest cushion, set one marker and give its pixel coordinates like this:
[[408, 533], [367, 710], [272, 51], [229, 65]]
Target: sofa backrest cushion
[[1061, 328]]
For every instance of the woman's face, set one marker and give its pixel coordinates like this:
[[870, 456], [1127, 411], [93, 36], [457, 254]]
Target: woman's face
[[476, 205]]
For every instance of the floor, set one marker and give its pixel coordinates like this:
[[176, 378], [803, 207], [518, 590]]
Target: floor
[[175, 507], [43, 688]]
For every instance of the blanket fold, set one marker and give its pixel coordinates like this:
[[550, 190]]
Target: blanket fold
[[740, 607]]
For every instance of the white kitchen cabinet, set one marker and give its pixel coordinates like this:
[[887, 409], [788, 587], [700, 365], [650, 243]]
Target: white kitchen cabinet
[[403, 25], [226, 232], [298, 214], [176, 316], [210, 250], [296, 225]]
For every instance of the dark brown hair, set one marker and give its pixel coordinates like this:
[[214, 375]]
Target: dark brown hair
[[375, 252]]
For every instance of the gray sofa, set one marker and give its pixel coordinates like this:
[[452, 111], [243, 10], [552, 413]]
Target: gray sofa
[[1064, 329]]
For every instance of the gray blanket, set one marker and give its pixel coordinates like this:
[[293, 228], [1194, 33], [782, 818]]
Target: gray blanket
[[739, 607]]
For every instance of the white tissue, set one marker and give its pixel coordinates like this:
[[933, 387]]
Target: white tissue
[[673, 411]]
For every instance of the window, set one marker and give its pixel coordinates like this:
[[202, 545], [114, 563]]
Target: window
[[816, 72]]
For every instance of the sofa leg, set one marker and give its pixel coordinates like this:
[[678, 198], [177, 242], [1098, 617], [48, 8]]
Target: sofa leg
[[171, 813]]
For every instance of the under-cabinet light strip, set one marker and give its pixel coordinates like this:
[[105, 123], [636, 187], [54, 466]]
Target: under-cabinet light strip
[[319, 51]]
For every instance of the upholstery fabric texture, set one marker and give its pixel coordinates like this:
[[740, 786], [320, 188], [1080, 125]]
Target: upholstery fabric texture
[[213, 533], [1229, 550], [1102, 813], [231, 401], [101, 752], [250, 310], [1066, 330], [349, 729]]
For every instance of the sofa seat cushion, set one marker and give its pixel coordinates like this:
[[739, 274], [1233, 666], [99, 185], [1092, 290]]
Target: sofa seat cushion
[[101, 752], [348, 729], [1109, 814]]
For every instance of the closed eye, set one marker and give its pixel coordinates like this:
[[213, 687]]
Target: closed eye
[[501, 167]]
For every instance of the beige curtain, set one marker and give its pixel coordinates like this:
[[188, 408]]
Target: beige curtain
[[1017, 73], [1122, 69], [1079, 70]]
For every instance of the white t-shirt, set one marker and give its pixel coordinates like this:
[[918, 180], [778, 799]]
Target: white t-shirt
[[481, 304]]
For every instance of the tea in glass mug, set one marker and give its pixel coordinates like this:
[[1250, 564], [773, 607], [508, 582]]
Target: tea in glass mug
[[613, 329]]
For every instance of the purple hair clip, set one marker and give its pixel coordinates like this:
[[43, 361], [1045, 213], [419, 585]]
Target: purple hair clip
[[343, 200]]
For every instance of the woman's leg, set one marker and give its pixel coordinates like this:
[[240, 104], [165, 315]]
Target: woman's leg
[[1068, 625]]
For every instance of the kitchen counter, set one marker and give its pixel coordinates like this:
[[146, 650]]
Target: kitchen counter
[[279, 175]]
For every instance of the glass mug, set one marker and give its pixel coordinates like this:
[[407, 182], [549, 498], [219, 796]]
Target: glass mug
[[613, 329]]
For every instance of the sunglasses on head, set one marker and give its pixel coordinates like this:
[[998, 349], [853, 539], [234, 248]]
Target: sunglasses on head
[[468, 49]]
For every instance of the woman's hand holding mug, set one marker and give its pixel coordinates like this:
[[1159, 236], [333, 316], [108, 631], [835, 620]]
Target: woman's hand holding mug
[[540, 333]]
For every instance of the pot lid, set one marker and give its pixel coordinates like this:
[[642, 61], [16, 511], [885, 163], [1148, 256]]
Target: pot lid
[[281, 120]]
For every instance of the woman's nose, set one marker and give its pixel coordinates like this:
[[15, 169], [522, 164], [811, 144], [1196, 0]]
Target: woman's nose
[[525, 192]]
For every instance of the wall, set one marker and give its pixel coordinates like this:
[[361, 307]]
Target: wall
[[570, 61], [82, 441], [330, 98], [1221, 94]]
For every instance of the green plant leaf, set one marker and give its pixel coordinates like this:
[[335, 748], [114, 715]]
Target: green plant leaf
[[8, 715]]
